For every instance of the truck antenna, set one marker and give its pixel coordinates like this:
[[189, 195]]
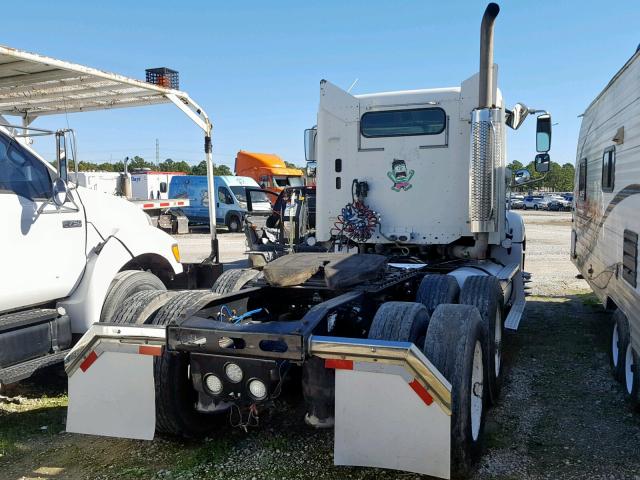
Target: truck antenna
[[353, 85]]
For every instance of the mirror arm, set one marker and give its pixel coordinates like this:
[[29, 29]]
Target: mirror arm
[[529, 182]]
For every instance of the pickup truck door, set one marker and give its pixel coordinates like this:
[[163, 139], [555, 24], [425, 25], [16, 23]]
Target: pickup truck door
[[42, 245]]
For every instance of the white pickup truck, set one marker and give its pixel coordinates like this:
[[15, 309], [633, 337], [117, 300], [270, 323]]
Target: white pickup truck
[[72, 254]]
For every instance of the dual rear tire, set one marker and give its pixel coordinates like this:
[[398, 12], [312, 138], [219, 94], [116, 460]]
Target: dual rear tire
[[452, 339], [484, 293]]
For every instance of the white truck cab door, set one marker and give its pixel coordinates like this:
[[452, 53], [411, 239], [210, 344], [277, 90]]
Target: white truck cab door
[[43, 246]]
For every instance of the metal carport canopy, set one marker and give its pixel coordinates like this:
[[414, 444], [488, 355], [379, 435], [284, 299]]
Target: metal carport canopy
[[33, 85]]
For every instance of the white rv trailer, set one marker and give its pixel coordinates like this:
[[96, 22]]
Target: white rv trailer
[[606, 222]]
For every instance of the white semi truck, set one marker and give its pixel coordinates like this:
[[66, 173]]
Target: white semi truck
[[396, 327], [72, 254]]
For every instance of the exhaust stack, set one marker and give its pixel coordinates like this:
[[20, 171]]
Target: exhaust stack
[[486, 147]]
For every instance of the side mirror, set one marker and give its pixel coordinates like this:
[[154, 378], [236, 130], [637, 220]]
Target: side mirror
[[521, 176], [60, 192], [61, 156], [543, 133], [310, 135], [542, 163], [516, 117]]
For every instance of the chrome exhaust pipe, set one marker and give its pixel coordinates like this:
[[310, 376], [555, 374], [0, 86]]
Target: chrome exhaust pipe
[[486, 99], [486, 151]]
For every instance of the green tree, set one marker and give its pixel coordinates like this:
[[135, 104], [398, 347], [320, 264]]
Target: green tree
[[138, 163], [201, 169], [292, 165]]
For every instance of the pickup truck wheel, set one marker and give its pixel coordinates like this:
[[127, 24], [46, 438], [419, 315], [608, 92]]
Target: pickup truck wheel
[[436, 289], [454, 344], [620, 339], [400, 322], [175, 396], [234, 223], [484, 293], [125, 284], [142, 306], [233, 280], [535, 207]]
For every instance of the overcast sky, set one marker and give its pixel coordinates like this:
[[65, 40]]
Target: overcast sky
[[255, 66]]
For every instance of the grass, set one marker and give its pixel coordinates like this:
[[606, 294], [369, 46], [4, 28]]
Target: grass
[[34, 419]]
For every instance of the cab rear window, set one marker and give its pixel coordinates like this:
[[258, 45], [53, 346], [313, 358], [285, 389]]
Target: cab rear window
[[403, 123]]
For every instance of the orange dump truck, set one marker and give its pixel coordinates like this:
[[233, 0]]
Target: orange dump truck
[[268, 170]]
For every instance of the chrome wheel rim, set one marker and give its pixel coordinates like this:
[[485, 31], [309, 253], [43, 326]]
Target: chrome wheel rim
[[477, 387]]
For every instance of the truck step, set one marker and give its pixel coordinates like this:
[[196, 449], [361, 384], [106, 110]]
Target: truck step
[[23, 370], [515, 314], [526, 275], [10, 321]]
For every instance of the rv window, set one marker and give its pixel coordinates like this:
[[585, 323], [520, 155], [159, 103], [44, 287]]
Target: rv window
[[582, 179], [608, 169], [403, 123], [163, 187]]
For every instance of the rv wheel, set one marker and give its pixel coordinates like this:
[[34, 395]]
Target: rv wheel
[[632, 376], [436, 289], [175, 396], [484, 292], [454, 344], [618, 345], [234, 223]]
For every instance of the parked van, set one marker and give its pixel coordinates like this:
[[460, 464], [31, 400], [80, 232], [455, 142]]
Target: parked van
[[231, 199], [268, 170]]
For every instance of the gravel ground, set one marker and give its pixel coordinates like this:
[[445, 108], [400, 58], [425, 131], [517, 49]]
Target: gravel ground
[[561, 414]]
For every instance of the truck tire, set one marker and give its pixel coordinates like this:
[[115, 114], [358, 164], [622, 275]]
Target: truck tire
[[234, 223], [400, 322], [454, 344], [632, 376], [175, 396], [620, 338], [233, 280], [484, 293], [436, 289], [142, 306], [125, 284]]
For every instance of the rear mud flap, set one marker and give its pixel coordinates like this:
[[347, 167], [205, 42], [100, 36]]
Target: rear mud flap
[[111, 385], [392, 407]]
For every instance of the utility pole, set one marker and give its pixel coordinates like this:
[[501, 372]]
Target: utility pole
[[157, 153]]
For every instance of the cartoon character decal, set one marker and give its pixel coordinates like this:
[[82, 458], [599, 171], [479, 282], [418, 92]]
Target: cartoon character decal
[[400, 175]]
